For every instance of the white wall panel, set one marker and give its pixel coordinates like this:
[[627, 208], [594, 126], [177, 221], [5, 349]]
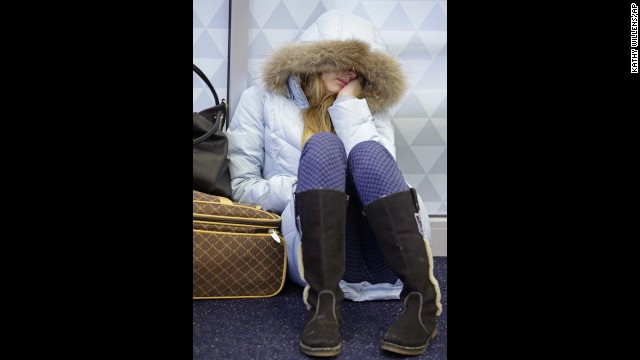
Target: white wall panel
[[415, 32], [210, 50]]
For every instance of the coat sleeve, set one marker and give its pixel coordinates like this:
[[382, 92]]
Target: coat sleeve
[[354, 123], [247, 153]]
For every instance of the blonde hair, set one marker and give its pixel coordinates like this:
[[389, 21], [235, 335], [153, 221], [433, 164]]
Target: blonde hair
[[316, 117]]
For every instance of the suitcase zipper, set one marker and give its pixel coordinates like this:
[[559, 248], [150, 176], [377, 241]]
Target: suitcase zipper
[[274, 235], [273, 232], [236, 220]]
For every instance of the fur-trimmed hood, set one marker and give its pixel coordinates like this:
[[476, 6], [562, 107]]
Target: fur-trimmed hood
[[338, 41]]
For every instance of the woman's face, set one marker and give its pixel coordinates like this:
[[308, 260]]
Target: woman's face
[[335, 81]]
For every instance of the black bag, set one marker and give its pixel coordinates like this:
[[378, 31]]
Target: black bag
[[210, 162]]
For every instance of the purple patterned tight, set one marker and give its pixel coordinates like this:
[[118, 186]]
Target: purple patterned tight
[[368, 173]]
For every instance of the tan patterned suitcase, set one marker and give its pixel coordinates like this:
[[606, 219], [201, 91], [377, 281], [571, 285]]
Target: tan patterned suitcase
[[238, 251]]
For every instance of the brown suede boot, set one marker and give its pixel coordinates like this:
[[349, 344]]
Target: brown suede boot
[[322, 218], [395, 223]]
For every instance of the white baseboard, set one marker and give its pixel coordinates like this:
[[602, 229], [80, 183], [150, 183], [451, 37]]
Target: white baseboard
[[439, 236]]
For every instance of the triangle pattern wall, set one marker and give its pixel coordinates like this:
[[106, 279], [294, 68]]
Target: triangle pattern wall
[[210, 47], [414, 31]]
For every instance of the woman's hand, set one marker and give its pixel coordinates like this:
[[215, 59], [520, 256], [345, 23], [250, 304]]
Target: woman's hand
[[353, 88]]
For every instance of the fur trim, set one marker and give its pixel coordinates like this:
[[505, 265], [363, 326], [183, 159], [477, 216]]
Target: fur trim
[[385, 81], [432, 277]]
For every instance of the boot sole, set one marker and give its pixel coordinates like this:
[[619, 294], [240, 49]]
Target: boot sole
[[311, 351], [407, 350]]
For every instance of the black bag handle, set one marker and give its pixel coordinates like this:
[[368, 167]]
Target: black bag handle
[[203, 137], [206, 81], [215, 95]]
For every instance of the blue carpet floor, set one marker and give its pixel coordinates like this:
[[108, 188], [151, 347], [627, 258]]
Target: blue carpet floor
[[269, 328]]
